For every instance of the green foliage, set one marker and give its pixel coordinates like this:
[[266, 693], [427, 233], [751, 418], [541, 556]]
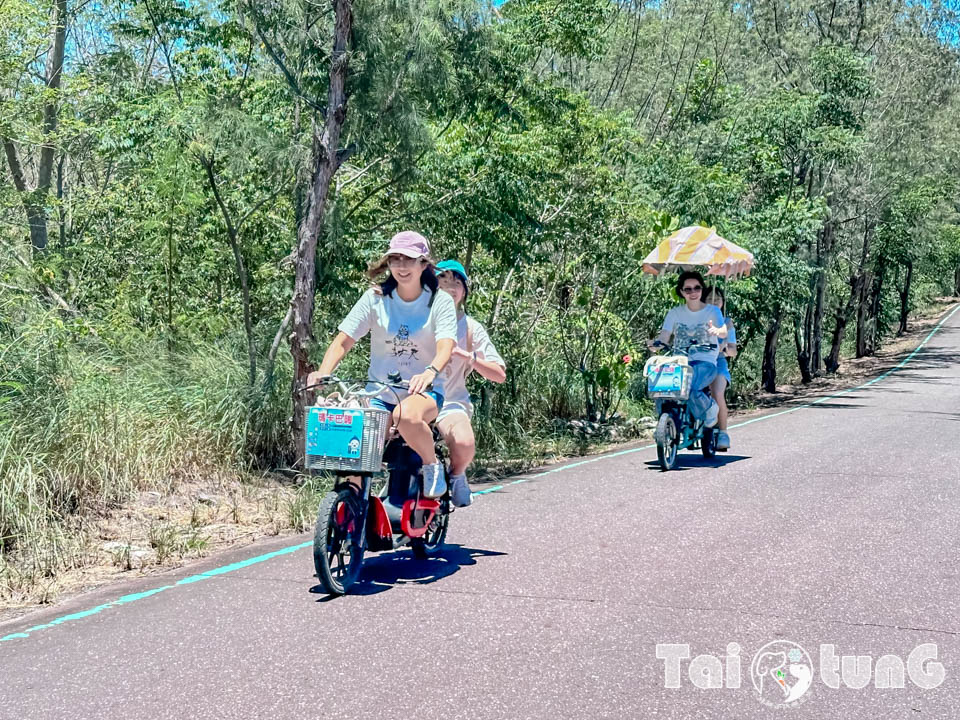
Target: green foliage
[[568, 28]]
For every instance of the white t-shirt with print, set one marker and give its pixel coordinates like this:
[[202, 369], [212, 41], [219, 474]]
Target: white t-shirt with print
[[689, 328], [403, 335], [456, 396]]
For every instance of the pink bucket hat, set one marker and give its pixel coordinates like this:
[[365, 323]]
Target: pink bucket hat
[[409, 243]]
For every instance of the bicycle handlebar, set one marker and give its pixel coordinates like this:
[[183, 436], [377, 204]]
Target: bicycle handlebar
[[695, 347]]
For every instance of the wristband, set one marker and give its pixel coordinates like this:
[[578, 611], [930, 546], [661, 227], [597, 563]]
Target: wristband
[[431, 367]]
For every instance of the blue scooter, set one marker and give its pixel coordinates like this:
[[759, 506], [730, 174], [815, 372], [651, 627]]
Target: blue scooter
[[668, 383]]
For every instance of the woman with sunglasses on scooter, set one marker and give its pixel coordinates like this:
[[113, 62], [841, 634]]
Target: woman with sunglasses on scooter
[[474, 351], [413, 330], [695, 323]]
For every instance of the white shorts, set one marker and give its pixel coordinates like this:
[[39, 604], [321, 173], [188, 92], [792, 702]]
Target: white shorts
[[450, 408]]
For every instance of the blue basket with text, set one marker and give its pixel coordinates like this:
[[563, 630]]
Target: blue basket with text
[[668, 377], [345, 438]]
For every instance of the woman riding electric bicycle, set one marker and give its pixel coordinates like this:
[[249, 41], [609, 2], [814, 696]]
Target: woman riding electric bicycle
[[413, 330], [695, 324]]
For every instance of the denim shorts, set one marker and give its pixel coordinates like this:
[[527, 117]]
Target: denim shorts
[[723, 369], [389, 407]]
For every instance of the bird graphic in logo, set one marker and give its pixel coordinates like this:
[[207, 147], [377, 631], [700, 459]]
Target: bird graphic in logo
[[781, 672]]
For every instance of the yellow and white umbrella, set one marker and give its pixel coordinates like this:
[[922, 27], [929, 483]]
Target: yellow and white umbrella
[[699, 246]]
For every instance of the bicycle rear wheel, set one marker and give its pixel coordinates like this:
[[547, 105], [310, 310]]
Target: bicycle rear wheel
[[338, 541], [709, 443]]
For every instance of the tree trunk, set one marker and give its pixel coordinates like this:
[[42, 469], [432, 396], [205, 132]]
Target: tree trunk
[[803, 354], [469, 257], [589, 392], [61, 214], [233, 239], [876, 302], [819, 309], [769, 374], [858, 296], [825, 243], [37, 219], [843, 318], [326, 162], [35, 200], [905, 299], [863, 313], [271, 361]]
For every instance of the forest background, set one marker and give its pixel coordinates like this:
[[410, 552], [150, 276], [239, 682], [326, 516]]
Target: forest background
[[191, 191]]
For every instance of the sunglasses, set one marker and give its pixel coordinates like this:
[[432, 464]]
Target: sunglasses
[[402, 259], [692, 288]]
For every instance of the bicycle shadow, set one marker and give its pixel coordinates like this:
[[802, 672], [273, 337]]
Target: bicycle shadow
[[696, 462], [398, 568]]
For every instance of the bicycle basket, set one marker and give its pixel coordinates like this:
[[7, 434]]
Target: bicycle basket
[[668, 377], [345, 438]]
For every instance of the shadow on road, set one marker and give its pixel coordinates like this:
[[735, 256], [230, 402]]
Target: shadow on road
[[388, 570], [693, 462], [833, 405], [947, 415]]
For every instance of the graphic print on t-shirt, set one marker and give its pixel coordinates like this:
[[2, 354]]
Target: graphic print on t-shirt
[[687, 335], [403, 346]]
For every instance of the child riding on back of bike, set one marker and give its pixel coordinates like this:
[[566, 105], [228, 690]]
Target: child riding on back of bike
[[695, 324], [474, 351], [728, 349]]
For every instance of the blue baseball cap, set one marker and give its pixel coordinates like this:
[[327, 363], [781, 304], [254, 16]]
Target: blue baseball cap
[[455, 267]]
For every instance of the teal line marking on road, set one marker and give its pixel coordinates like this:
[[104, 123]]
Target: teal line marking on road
[[141, 595], [488, 490], [86, 613], [242, 564], [293, 548]]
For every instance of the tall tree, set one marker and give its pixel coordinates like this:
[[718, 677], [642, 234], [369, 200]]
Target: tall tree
[[35, 195]]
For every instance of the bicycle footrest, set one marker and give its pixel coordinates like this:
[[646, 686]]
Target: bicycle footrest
[[417, 516]]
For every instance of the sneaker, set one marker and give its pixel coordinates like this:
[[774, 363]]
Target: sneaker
[[723, 440], [713, 414], [434, 484], [460, 491]]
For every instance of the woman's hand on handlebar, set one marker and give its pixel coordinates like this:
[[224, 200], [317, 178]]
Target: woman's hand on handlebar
[[654, 345], [318, 378], [419, 383]]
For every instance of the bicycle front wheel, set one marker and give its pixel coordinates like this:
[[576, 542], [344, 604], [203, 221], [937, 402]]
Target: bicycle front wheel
[[338, 541], [666, 439]]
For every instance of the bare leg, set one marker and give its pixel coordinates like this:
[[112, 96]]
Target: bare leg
[[458, 435], [412, 418], [718, 390]]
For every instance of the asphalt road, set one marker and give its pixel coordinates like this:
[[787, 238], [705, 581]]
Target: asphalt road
[[831, 524]]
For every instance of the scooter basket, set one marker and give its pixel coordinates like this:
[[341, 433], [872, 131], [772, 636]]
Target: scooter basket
[[668, 378], [346, 439]]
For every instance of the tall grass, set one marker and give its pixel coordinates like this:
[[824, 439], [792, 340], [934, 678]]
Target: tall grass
[[86, 423]]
